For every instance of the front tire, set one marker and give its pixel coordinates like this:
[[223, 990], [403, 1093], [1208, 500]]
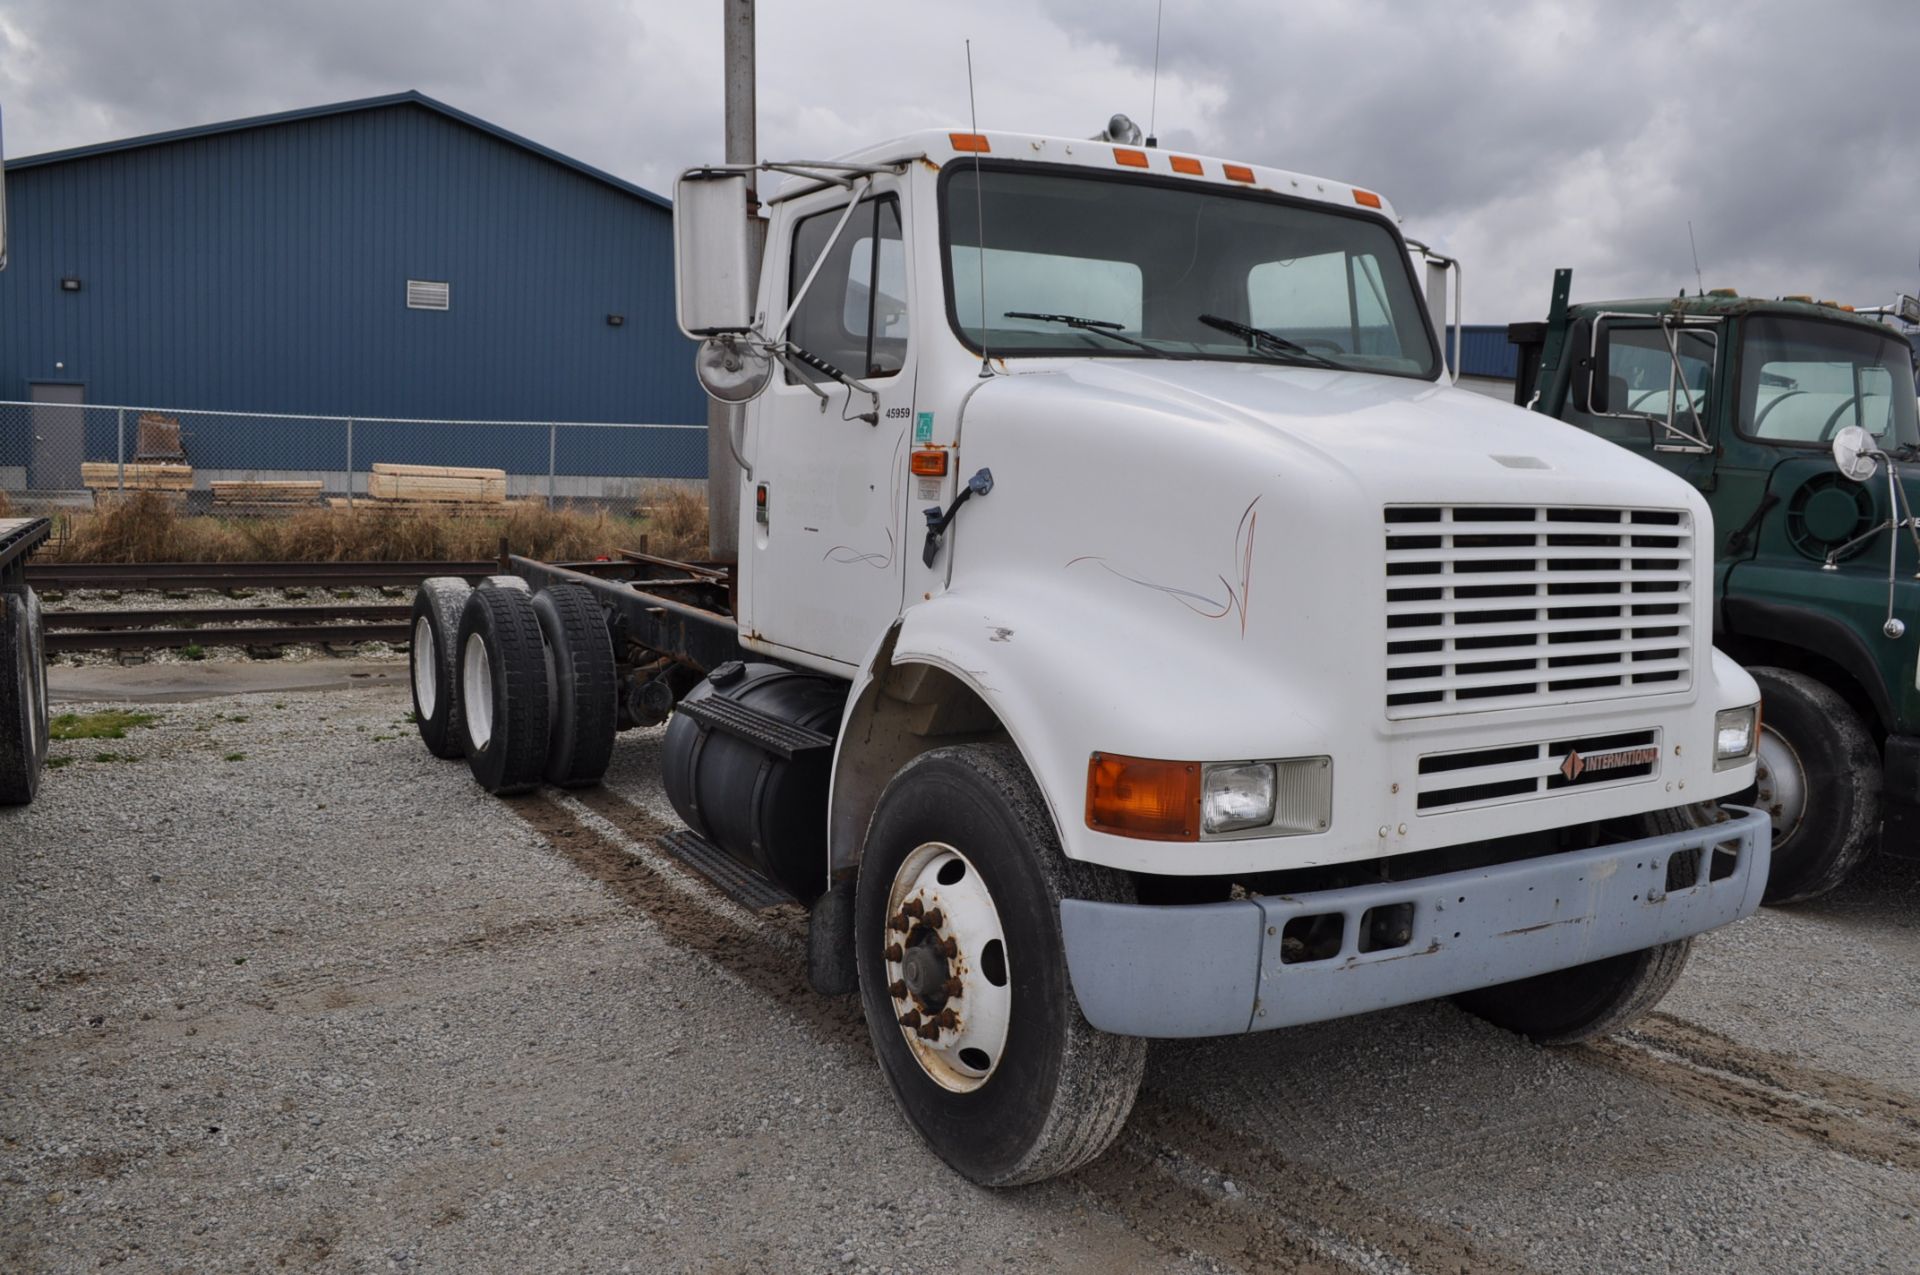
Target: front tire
[[963, 974], [1583, 1002], [1818, 778]]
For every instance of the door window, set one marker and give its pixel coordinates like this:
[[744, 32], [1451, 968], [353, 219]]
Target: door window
[[855, 314]]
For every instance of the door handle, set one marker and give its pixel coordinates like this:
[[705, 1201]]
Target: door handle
[[939, 520]]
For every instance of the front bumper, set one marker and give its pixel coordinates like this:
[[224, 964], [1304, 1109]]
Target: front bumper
[[1217, 969]]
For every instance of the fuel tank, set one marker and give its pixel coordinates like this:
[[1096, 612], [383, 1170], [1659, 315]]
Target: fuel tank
[[727, 777]]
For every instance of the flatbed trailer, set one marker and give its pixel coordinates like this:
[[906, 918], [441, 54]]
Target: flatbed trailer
[[23, 664]]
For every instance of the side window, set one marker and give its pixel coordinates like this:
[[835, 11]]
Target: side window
[[855, 314], [1640, 368]]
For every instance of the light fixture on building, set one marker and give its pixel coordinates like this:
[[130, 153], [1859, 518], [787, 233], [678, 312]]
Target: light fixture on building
[[615, 320], [69, 284]]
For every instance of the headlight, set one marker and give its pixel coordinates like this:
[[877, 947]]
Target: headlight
[[1283, 797], [1235, 797], [1734, 733]]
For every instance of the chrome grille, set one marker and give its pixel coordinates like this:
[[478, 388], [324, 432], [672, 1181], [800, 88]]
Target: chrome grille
[[1508, 606]]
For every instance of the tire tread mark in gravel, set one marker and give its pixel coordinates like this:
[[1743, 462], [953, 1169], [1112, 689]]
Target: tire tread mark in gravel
[[1863, 1121], [1131, 1181]]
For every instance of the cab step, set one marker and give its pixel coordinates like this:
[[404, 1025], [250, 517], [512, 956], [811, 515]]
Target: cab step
[[735, 879], [781, 738]]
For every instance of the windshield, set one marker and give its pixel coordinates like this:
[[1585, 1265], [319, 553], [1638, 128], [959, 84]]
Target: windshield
[[1120, 267], [1803, 381]]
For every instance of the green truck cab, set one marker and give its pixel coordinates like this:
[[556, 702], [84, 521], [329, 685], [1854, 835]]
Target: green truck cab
[[1797, 420]]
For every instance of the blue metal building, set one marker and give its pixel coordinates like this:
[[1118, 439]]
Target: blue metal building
[[390, 257]]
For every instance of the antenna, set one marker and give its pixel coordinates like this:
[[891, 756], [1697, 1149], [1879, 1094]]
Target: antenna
[[1153, 109], [1696, 259], [979, 218]]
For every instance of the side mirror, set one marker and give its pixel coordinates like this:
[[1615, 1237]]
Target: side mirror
[[710, 266], [1854, 452]]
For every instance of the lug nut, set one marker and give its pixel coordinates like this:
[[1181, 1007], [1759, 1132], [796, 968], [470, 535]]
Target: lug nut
[[898, 921], [928, 1031], [952, 989], [898, 989], [949, 948], [936, 918], [913, 908], [946, 1018], [893, 953], [910, 1019]]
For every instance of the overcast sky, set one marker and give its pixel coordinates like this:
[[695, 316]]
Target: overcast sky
[[1520, 136]]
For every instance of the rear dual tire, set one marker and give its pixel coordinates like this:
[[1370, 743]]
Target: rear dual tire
[[535, 671]]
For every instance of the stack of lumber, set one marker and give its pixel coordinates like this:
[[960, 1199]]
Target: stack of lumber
[[158, 438], [265, 497], [447, 488], [105, 476]]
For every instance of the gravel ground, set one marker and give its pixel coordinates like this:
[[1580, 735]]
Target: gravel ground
[[285, 992]]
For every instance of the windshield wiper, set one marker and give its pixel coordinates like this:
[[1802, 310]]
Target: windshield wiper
[[1272, 344], [1099, 327]]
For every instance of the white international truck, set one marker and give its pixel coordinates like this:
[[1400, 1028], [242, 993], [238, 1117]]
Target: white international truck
[[1135, 634]]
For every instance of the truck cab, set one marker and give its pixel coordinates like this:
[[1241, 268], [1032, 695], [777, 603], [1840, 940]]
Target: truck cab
[[1135, 633], [1816, 577]]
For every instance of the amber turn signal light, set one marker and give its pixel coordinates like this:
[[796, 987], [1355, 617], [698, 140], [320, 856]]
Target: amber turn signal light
[[929, 462], [1141, 797]]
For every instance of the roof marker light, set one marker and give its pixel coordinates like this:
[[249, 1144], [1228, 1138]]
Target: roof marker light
[[970, 143], [1186, 164], [1129, 158], [1238, 173], [1366, 198]]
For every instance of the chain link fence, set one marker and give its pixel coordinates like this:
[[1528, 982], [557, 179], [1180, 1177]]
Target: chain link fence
[[72, 455]]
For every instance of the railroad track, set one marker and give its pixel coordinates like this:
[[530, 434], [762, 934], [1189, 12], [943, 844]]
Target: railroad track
[[162, 576], [148, 630], [324, 621]]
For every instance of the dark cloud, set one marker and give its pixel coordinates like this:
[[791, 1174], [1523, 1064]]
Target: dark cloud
[[1519, 136]]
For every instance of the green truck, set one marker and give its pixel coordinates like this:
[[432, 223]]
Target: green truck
[[1796, 419]]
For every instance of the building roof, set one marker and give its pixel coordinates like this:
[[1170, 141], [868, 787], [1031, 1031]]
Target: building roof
[[410, 97]]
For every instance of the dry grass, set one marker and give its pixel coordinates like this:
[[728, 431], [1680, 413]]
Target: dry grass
[[6, 506], [150, 527]]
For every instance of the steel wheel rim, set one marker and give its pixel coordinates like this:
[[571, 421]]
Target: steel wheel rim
[[947, 967], [426, 687], [476, 687], [1780, 785]]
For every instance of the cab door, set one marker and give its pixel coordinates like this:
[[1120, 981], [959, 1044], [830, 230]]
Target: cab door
[[823, 534]]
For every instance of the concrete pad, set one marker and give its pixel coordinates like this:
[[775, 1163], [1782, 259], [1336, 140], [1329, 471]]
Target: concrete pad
[[153, 683]]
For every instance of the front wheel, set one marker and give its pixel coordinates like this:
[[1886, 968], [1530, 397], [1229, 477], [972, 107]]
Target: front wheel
[[1817, 777], [963, 974], [1583, 1002]]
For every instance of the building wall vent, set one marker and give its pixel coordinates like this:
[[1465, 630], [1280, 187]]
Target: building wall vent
[[423, 294]]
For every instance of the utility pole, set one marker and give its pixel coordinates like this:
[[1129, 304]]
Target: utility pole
[[723, 476]]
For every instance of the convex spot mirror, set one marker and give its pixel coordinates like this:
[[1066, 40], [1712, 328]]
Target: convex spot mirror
[[732, 371], [710, 266], [1855, 453]]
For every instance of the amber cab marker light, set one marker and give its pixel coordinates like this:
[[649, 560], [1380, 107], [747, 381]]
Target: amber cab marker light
[[1144, 798], [1366, 199], [1238, 173], [972, 143], [1186, 164], [930, 462], [1129, 159]]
